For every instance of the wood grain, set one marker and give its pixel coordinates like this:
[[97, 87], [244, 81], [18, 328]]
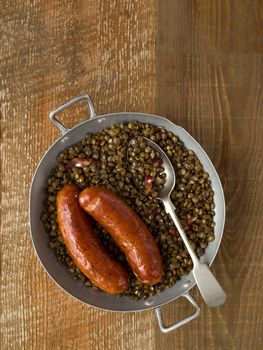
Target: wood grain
[[52, 51], [200, 64], [210, 73]]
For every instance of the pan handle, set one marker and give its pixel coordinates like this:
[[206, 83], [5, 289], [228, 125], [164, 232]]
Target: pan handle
[[182, 322], [52, 115]]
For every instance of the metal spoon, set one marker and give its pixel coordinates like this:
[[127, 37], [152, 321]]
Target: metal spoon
[[212, 293]]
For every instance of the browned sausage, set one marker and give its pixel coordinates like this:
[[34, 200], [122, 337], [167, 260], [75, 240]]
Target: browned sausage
[[84, 246], [128, 231]]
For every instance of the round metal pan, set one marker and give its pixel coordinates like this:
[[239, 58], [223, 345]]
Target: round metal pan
[[40, 238]]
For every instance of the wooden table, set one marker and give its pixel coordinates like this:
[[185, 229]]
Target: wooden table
[[199, 63]]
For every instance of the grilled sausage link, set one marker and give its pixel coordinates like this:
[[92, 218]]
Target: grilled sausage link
[[128, 231], [85, 248]]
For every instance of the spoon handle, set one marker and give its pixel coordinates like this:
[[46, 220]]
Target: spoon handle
[[212, 293], [170, 209]]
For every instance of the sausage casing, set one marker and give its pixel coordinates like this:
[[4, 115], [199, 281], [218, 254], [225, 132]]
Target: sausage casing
[[128, 231], [85, 248]]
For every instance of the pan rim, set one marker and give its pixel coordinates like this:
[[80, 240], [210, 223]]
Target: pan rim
[[124, 114]]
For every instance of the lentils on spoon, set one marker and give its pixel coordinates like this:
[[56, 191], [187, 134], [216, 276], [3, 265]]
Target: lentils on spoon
[[145, 165]]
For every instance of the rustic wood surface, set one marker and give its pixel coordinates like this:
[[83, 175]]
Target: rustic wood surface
[[200, 63]]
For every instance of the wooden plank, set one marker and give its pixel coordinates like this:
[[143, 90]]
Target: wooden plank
[[209, 74], [52, 51]]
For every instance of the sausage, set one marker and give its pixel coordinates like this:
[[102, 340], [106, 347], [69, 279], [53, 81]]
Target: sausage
[[128, 231], [85, 248]]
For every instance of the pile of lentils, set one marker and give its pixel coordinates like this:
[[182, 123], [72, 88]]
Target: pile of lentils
[[101, 159]]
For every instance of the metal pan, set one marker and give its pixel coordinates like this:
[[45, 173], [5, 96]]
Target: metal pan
[[40, 238]]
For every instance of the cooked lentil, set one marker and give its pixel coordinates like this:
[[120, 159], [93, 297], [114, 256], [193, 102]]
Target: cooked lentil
[[100, 159]]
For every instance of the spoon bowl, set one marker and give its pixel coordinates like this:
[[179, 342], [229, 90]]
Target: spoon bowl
[[170, 179]]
